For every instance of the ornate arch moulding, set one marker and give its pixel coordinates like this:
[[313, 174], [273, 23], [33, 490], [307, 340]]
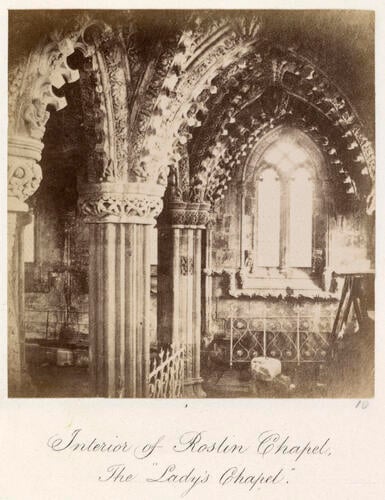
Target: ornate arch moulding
[[203, 53], [231, 152], [30, 93], [314, 88]]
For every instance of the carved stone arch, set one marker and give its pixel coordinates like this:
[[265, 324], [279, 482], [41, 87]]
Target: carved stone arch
[[203, 51], [32, 81], [226, 158], [336, 178], [329, 105]]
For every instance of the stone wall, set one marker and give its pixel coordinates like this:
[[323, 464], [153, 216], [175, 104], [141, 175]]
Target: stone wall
[[350, 248], [57, 287]]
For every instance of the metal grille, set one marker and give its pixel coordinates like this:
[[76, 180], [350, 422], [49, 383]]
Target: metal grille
[[167, 375], [287, 338]]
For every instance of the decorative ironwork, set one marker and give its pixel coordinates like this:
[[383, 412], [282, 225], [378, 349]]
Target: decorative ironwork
[[288, 338], [167, 375]]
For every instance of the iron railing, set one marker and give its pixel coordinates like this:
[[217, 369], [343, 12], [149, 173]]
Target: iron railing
[[291, 339], [167, 375]]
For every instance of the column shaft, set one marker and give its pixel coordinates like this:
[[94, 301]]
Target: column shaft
[[119, 302], [180, 297], [18, 380]]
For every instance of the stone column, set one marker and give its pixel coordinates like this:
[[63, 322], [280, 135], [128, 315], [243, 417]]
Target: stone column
[[208, 282], [120, 217], [24, 175], [180, 284]]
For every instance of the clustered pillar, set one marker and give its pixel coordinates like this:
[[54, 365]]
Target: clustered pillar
[[119, 286], [180, 285]]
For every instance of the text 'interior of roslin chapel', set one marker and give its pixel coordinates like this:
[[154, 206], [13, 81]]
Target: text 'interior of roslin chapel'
[[191, 204]]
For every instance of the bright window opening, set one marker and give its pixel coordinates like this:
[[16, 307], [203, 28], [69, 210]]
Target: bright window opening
[[284, 218], [269, 194], [301, 215]]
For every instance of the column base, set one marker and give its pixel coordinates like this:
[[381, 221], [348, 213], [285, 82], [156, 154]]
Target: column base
[[25, 389], [193, 389]]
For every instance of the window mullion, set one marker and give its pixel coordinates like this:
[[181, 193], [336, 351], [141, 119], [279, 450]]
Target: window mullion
[[284, 230]]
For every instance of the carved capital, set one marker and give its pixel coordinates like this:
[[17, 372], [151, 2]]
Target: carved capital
[[24, 172], [189, 214], [138, 203]]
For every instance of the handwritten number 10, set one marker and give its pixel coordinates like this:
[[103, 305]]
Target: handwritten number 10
[[362, 404]]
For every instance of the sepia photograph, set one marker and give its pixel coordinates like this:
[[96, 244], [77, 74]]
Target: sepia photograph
[[191, 204]]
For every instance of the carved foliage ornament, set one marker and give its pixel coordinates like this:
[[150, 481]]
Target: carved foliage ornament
[[186, 265], [120, 207], [105, 102], [189, 214], [24, 177], [234, 153]]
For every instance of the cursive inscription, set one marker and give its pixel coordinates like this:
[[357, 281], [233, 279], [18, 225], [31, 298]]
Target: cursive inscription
[[265, 460], [117, 472], [171, 475], [273, 443], [194, 442], [238, 475]]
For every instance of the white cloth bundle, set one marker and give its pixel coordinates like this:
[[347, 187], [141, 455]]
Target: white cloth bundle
[[265, 368]]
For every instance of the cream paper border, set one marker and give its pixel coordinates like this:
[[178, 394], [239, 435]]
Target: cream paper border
[[354, 471]]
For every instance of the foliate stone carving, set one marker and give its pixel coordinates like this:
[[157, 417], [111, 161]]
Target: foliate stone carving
[[104, 89], [248, 26], [24, 177], [120, 87], [188, 214], [120, 208], [108, 202], [24, 172], [186, 265]]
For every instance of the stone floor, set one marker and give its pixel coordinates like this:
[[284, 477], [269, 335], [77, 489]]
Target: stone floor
[[350, 374], [51, 381], [302, 382]]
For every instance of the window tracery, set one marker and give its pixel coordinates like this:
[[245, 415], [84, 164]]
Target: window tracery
[[284, 188]]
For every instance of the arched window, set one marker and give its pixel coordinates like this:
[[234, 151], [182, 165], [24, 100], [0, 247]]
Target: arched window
[[283, 171]]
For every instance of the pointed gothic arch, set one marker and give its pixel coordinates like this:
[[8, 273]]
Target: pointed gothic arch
[[196, 105]]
